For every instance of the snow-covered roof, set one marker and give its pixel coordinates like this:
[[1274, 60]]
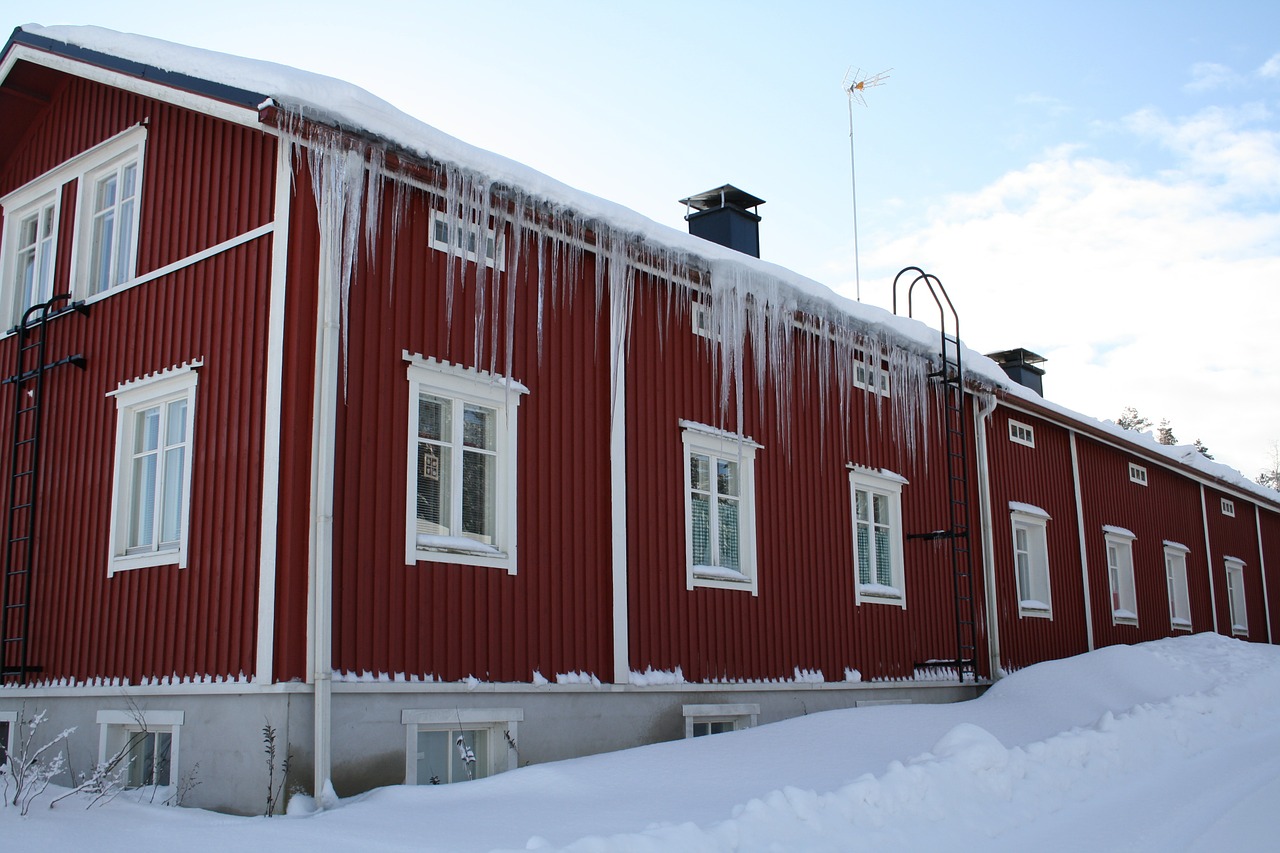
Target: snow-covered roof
[[350, 107]]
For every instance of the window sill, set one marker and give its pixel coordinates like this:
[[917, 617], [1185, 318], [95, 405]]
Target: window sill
[[1124, 617], [719, 577], [482, 555], [1239, 630], [1181, 625], [874, 593], [127, 562], [1035, 610]]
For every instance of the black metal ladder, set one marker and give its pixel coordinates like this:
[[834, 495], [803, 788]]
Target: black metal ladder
[[950, 375], [17, 588]]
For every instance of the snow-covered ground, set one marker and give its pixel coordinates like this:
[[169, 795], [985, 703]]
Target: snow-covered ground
[[1171, 745]]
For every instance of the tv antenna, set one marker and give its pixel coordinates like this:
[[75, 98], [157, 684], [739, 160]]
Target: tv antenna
[[856, 83]]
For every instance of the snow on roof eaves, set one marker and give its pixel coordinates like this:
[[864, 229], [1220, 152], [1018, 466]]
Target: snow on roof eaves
[[348, 105]]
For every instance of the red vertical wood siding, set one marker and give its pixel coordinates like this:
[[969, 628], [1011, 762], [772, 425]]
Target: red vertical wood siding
[[454, 621], [1235, 536], [1040, 476], [806, 615], [161, 621], [1167, 508]]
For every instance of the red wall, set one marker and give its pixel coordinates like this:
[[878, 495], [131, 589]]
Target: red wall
[[1236, 537], [204, 182]]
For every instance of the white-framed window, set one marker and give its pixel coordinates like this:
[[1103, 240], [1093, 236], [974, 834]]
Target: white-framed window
[[461, 485], [8, 732], [30, 252], [1175, 572], [1031, 560], [144, 742], [450, 234], [719, 508], [1124, 602], [1137, 474], [450, 745], [700, 320], [871, 372], [701, 720], [151, 498], [1020, 433], [104, 244], [877, 535], [1235, 596], [1228, 507]]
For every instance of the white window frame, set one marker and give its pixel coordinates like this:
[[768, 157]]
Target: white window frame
[[741, 715], [1035, 594], [111, 156], [17, 208], [700, 320], [871, 372], [1137, 474], [1175, 573], [719, 445], [1020, 433], [1237, 607], [11, 719], [1228, 507], [495, 243], [115, 728], [464, 385], [159, 389], [1120, 580], [499, 725], [879, 482]]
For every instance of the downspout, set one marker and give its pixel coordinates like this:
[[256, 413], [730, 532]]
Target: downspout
[[1208, 559], [980, 416], [1084, 550], [618, 488], [1262, 567]]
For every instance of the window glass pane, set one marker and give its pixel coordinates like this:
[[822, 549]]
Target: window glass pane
[[478, 471], [726, 477], [728, 533], [142, 508], [434, 418], [699, 473], [860, 505], [175, 431], [478, 427], [1020, 538], [105, 193], [880, 505], [146, 430], [434, 472], [884, 571], [100, 254], [129, 180], [171, 508], [700, 510], [163, 746], [433, 758], [124, 244], [864, 553], [473, 745]]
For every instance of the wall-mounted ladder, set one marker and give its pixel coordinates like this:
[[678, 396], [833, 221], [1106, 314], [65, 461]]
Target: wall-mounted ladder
[[18, 587], [950, 376]]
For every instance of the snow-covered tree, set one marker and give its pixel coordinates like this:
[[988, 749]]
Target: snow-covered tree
[[1204, 451], [1130, 419], [1164, 433], [1271, 477]]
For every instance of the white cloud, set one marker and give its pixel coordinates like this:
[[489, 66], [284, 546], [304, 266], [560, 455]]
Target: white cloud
[[1157, 291], [1270, 68], [1206, 76]]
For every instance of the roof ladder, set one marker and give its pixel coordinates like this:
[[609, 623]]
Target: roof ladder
[[18, 580], [950, 376]]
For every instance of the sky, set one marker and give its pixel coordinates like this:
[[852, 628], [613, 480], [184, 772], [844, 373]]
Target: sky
[[1098, 182], [1171, 745]]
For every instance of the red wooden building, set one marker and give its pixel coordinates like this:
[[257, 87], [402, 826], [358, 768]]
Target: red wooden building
[[319, 416]]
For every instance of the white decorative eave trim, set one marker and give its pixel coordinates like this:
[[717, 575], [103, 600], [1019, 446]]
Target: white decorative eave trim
[[1177, 546], [1124, 532], [722, 434], [148, 379], [471, 374], [878, 473], [1020, 508]]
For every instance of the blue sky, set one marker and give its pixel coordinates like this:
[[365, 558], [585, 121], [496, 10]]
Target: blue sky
[[1099, 182]]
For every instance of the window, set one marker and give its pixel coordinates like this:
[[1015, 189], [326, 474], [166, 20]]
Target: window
[[701, 720], [109, 205], [1124, 606], [155, 421], [1020, 433], [448, 235], [719, 508], [459, 744], [1235, 596], [1137, 474], [877, 535], [32, 236], [700, 320], [870, 372], [461, 499], [1031, 560], [1175, 571], [8, 731], [1228, 508], [145, 742]]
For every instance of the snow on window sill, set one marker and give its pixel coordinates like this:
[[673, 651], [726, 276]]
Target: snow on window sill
[[1032, 607], [1180, 624], [427, 542], [720, 573], [1240, 630], [1124, 617], [879, 590]]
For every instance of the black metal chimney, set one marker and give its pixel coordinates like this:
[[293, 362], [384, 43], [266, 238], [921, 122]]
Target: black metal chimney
[[1020, 366], [721, 215]]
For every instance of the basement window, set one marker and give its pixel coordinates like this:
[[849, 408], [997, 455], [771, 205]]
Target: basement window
[[445, 746], [8, 729], [144, 743], [1020, 433], [701, 720], [1228, 508], [1137, 474]]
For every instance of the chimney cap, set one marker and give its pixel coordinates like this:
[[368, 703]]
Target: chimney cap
[[1016, 356], [723, 196]]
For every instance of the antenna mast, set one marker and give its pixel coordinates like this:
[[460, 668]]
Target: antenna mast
[[855, 84]]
